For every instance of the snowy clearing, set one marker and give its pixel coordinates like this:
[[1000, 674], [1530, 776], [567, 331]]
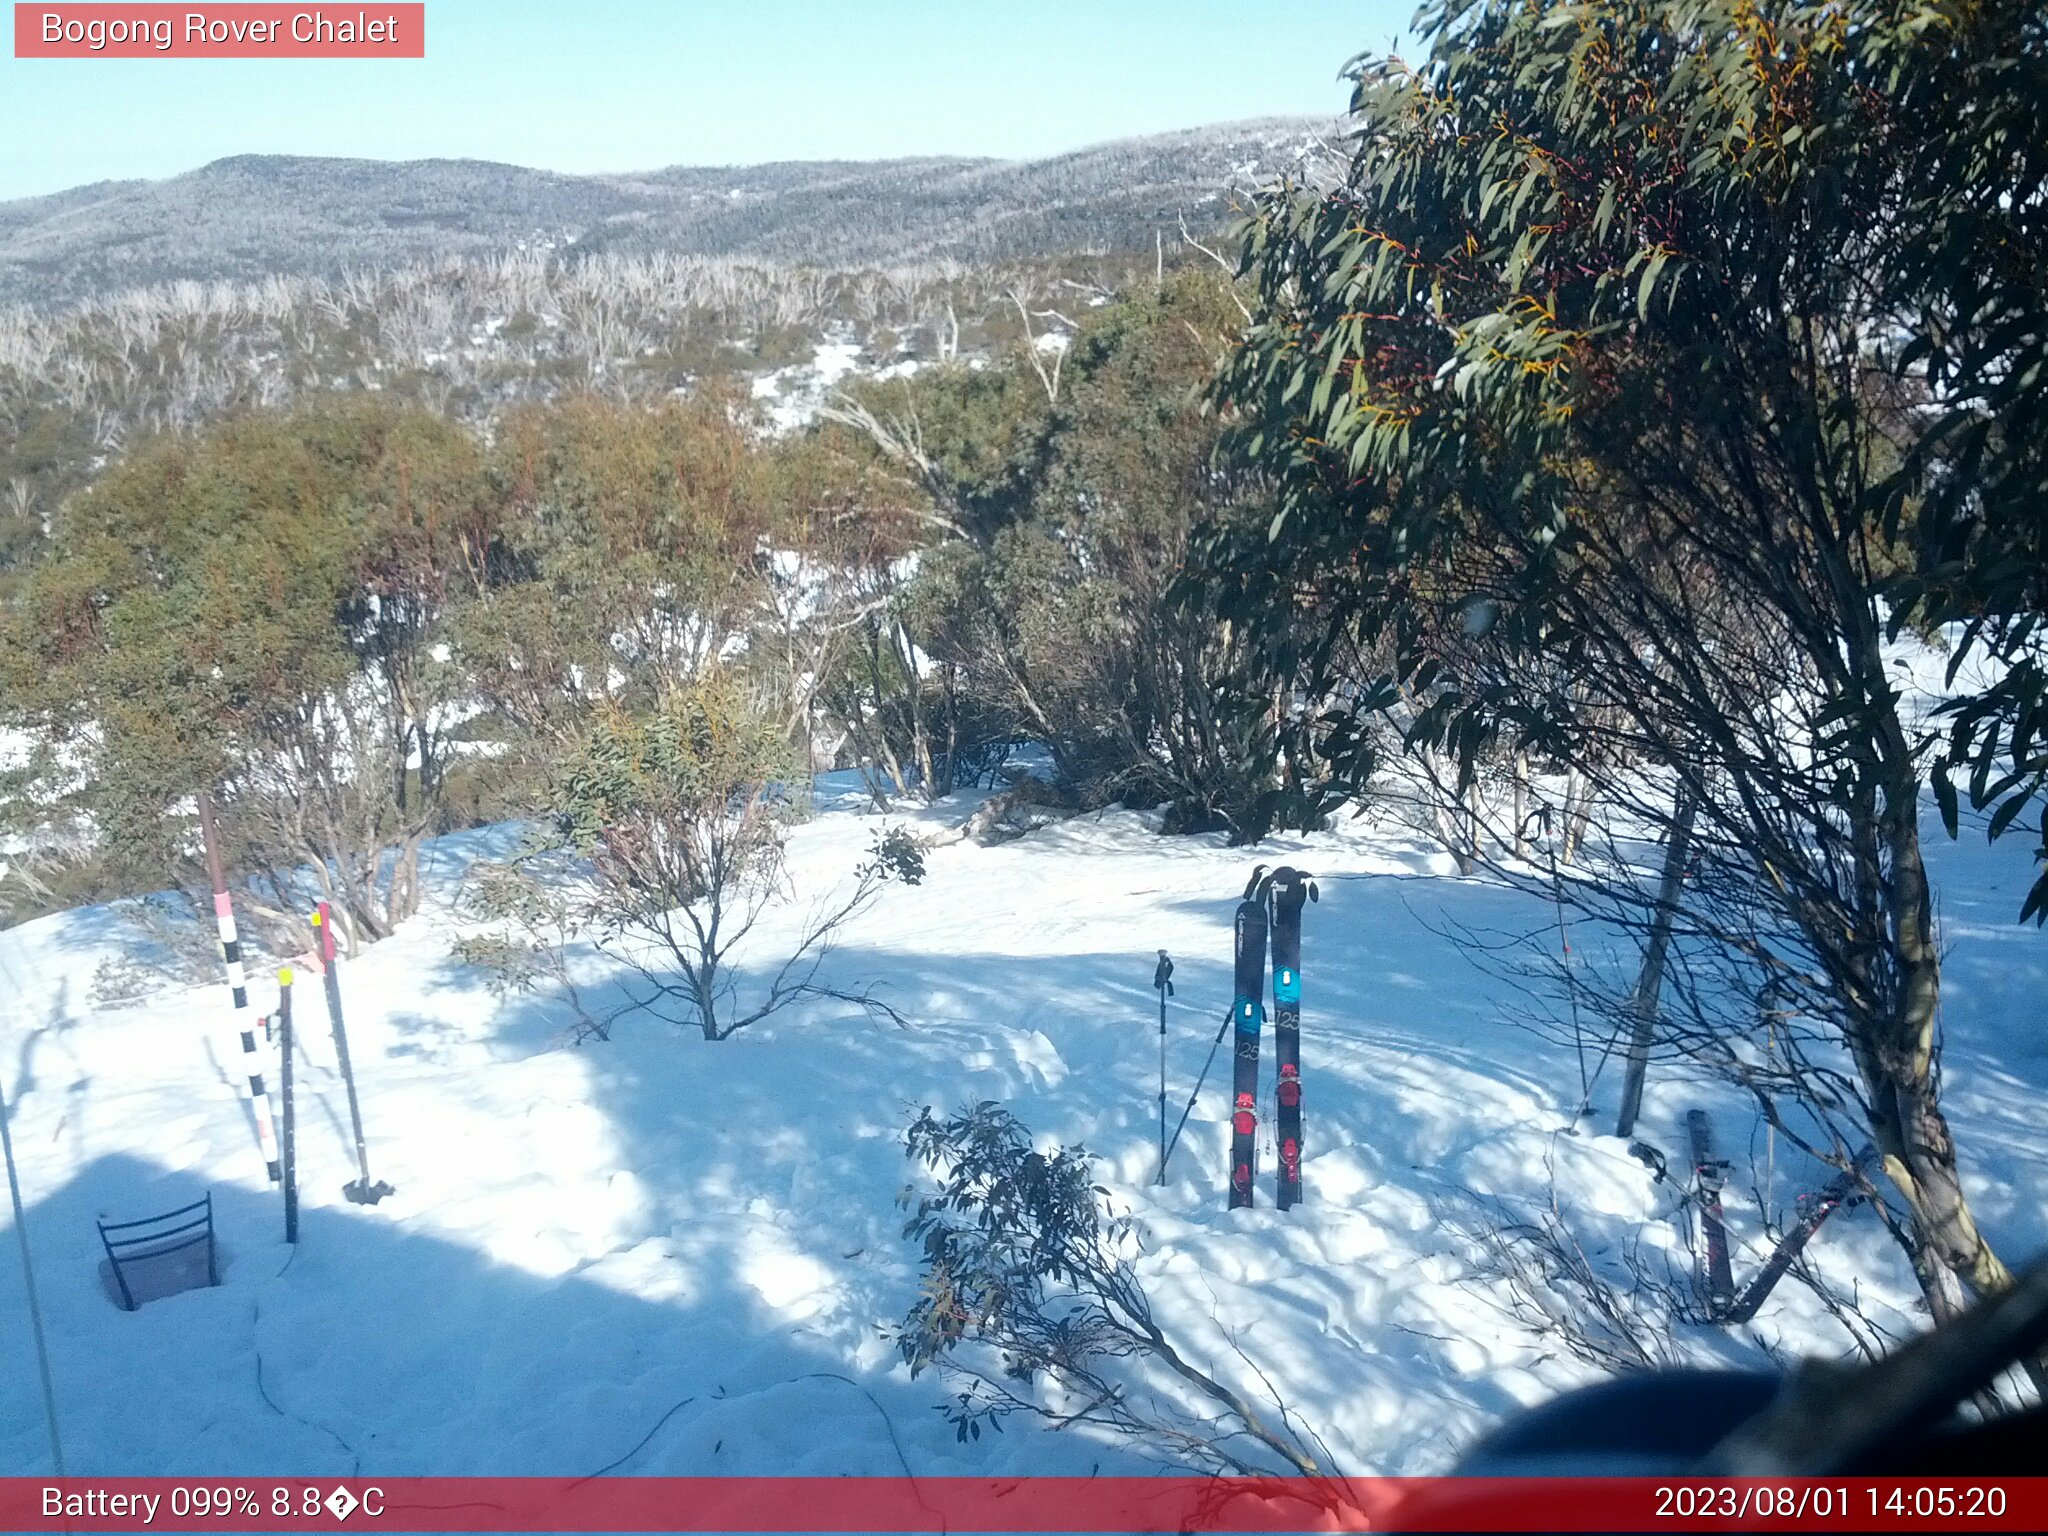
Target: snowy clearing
[[584, 1238]]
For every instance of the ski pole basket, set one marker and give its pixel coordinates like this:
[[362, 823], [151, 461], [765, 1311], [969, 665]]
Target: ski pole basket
[[158, 1256]]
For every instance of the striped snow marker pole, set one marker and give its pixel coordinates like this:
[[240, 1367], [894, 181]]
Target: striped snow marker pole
[[252, 1061], [238, 986]]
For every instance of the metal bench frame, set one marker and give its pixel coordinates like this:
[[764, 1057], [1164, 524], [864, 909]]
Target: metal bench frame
[[167, 1234]]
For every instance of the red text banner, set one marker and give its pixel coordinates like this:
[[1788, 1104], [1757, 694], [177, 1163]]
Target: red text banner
[[1041, 1504], [238, 31]]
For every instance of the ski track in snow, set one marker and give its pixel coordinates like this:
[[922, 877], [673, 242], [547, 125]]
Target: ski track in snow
[[584, 1238]]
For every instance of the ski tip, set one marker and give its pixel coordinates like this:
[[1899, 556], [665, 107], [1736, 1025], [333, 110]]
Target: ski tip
[[1289, 885], [1251, 885]]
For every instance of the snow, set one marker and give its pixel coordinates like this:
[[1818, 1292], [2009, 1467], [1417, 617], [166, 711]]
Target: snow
[[794, 395], [583, 1238]]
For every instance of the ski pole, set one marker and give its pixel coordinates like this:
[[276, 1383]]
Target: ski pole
[[1229, 1016], [284, 1088], [28, 1282], [1162, 982], [362, 1192]]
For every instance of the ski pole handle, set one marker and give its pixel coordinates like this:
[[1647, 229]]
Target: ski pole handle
[[1162, 974]]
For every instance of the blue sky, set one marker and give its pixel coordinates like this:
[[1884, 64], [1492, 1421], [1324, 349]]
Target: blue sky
[[618, 85]]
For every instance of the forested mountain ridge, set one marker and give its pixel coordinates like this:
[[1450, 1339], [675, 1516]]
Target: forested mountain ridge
[[257, 215]]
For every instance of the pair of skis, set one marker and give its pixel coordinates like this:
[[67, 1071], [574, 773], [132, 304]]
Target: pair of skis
[[1717, 1280], [1271, 908]]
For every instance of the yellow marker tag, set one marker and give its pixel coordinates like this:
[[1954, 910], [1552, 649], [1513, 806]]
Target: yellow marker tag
[[316, 919], [284, 976]]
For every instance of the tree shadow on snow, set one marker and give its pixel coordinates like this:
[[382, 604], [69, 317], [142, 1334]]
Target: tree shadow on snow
[[787, 1117], [378, 1349]]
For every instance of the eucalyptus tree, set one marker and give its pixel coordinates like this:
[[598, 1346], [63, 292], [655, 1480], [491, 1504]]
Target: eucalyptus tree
[[1645, 367], [259, 612]]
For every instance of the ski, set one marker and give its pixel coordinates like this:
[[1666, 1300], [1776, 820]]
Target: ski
[[1248, 1013], [1814, 1209], [1709, 1174], [1287, 890]]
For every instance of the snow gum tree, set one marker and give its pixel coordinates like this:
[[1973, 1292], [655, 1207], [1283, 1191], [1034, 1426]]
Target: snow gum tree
[[256, 612], [1032, 1303], [633, 535], [649, 545], [1646, 364], [1046, 606], [680, 811]]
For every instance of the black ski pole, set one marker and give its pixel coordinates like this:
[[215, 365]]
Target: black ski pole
[[1162, 982], [1222, 1029], [363, 1191], [290, 1149]]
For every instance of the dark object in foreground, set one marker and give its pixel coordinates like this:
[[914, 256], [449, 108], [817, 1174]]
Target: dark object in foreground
[[157, 1256], [1899, 1417]]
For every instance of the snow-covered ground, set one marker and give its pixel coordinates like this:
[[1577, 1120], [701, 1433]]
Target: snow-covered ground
[[585, 1240], [793, 396]]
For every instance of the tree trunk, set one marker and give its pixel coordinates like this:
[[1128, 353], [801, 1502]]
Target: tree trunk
[[920, 731], [884, 751], [402, 893], [1579, 817], [1895, 1046], [1567, 843], [1446, 818], [1643, 1002], [1911, 1131], [1521, 771]]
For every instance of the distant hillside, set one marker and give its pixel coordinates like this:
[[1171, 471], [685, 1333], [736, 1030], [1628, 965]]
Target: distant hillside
[[254, 215]]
